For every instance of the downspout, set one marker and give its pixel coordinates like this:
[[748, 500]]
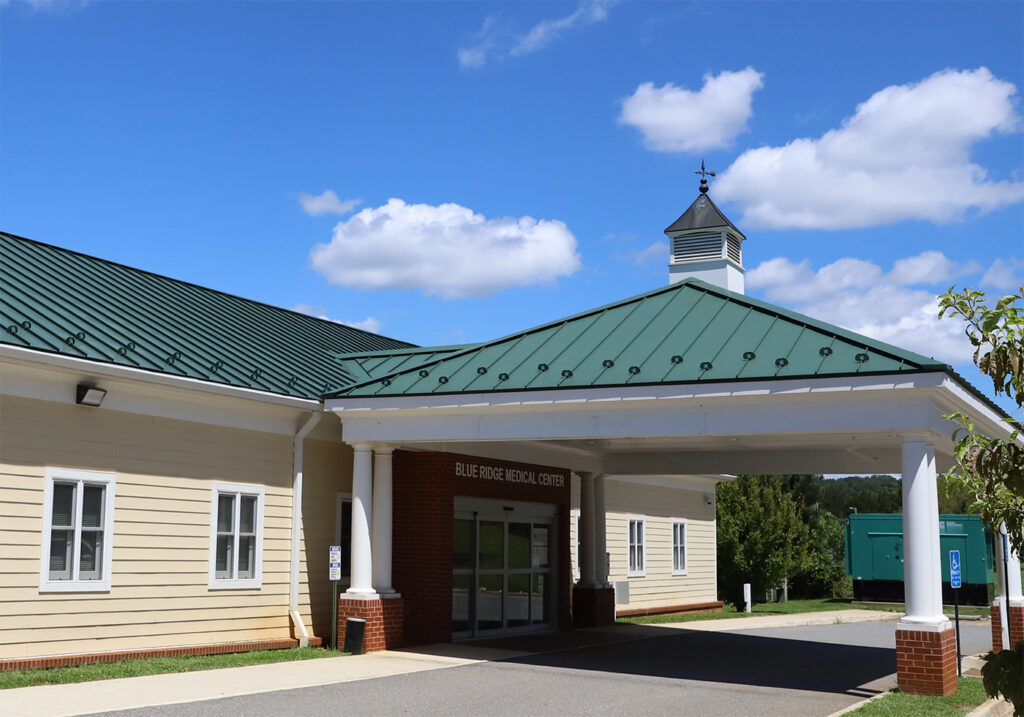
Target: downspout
[[296, 535]]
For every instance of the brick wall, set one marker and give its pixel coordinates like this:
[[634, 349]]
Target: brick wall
[[997, 627], [1016, 624], [593, 607], [926, 661], [424, 488], [383, 617]]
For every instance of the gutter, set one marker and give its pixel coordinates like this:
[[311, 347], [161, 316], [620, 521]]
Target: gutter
[[296, 533]]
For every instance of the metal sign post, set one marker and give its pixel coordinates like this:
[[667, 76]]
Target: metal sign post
[[334, 575], [955, 582]]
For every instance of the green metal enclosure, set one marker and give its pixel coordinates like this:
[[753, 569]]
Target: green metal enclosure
[[874, 557]]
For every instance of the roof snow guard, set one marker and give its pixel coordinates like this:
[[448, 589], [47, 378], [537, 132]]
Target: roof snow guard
[[687, 332], [60, 301]]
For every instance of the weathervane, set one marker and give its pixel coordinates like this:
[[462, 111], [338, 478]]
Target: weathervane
[[704, 174]]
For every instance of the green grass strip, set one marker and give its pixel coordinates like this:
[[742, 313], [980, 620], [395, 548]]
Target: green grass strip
[[156, 666], [793, 607], [970, 693]]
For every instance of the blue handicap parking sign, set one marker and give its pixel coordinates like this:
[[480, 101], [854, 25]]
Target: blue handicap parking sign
[[954, 568]]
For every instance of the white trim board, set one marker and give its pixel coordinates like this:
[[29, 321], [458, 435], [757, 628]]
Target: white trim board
[[138, 392]]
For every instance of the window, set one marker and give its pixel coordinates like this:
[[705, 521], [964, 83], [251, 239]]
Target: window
[[343, 535], [679, 546], [637, 549], [236, 536], [78, 530]]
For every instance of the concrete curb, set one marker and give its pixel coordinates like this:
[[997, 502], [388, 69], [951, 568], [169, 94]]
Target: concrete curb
[[995, 707]]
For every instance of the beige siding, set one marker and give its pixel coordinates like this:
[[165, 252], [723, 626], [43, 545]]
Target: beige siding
[[658, 506], [164, 471], [327, 470]]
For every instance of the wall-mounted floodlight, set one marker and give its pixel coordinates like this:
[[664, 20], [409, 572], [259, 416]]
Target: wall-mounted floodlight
[[87, 395]]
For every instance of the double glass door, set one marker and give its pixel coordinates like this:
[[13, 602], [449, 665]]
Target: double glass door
[[503, 569]]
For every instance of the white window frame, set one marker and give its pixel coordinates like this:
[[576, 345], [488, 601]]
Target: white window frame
[[235, 583], [681, 523], [631, 571], [343, 497], [80, 478]]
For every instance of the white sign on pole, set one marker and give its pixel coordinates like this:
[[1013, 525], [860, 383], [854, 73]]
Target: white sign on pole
[[334, 563]]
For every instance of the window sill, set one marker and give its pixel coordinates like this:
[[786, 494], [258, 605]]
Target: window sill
[[636, 575], [677, 573], [74, 586], [236, 584]]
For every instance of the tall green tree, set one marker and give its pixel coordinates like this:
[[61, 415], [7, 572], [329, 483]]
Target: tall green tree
[[762, 538], [991, 470]]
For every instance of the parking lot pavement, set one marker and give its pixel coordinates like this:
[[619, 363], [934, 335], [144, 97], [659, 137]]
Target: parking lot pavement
[[802, 670]]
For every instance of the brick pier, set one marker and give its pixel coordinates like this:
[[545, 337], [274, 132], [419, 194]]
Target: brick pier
[[384, 618], [926, 660]]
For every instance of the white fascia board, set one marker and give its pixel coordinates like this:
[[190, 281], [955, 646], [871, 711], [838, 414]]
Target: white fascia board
[[883, 411], [47, 377], [957, 398], [738, 390]]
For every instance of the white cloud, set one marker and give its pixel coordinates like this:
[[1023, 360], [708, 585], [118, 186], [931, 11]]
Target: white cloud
[[496, 39], [904, 154], [656, 252], [1004, 274], [898, 306], [447, 251], [327, 203], [368, 324], [675, 119], [547, 30]]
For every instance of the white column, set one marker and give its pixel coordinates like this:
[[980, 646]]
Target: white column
[[587, 530], [1013, 568], [922, 566], [382, 519], [600, 532], [362, 501]]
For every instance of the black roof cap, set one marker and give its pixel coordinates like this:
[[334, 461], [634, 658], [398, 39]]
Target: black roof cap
[[702, 214]]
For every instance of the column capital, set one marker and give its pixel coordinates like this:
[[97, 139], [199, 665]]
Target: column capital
[[383, 448], [361, 446]]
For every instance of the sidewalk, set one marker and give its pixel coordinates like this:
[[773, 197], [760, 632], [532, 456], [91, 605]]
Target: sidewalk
[[151, 690]]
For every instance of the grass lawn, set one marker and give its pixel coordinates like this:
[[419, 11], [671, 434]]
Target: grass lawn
[[785, 608], [970, 694], [155, 666]]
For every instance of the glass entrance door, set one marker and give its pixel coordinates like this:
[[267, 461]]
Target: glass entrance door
[[503, 572]]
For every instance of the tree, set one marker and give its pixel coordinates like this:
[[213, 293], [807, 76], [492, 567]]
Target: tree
[[823, 574], [762, 539], [991, 470]]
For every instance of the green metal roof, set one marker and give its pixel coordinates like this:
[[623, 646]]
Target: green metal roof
[[375, 364], [683, 333], [60, 301]]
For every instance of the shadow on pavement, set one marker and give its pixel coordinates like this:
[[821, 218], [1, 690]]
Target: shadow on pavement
[[725, 657]]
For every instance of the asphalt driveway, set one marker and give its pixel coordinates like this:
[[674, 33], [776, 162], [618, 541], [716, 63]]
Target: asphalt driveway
[[809, 670]]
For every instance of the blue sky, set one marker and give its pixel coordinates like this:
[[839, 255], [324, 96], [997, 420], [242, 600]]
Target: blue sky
[[449, 172]]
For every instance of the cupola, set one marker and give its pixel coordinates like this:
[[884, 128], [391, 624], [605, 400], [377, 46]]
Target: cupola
[[704, 244]]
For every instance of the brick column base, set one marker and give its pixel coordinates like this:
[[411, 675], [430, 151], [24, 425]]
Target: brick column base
[[997, 627], [384, 621], [926, 660], [593, 607], [1016, 624]]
